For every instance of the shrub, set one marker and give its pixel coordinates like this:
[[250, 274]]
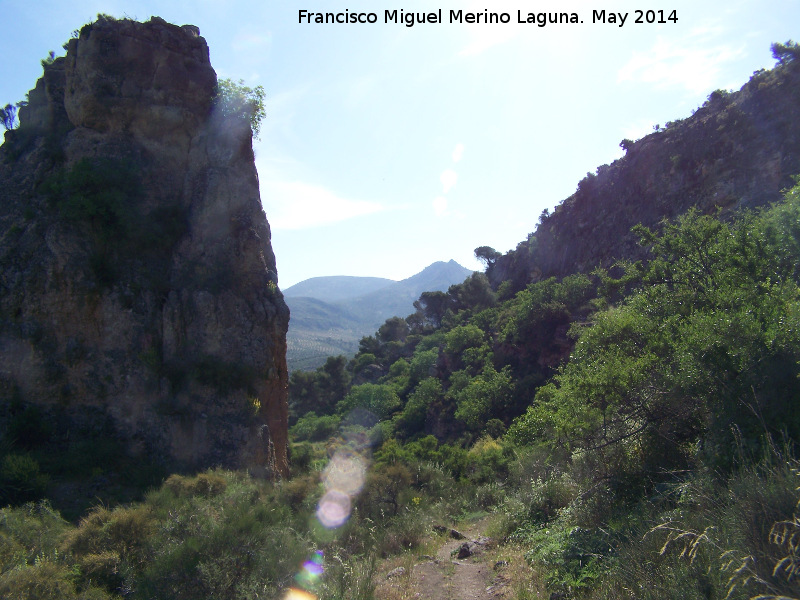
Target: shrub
[[301, 456], [488, 461], [235, 100], [312, 428], [381, 400], [28, 531], [208, 484], [20, 479], [45, 580], [385, 491]]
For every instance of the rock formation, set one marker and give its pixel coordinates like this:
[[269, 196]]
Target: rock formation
[[739, 150], [138, 287]]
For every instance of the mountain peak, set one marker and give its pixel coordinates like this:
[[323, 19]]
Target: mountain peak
[[349, 308]]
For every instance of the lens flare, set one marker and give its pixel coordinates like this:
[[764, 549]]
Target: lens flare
[[345, 473], [333, 509], [314, 566], [310, 575], [295, 594], [343, 479]]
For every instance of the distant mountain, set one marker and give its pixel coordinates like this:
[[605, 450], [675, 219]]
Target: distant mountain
[[317, 330], [333, 289], [398, 298], [330, 315]]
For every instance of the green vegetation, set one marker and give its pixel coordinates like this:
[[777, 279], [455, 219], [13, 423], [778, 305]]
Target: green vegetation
[[8, 115], [785, 53], [238, 101], [669, 431], [657, 461]]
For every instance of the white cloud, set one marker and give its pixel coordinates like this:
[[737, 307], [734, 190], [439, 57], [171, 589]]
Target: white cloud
[[448, 179], [693, 62], [440, 206], [458, 152], [298, 205]]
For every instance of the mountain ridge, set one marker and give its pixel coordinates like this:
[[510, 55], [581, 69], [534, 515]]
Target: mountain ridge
[[332, 288], [738, 150], [319, 328]]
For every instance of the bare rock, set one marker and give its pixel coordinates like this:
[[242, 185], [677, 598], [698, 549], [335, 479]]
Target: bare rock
[[464, 551], [398, 572], [138, 282]]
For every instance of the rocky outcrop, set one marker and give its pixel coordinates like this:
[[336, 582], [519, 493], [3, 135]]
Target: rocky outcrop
[[137, 281], [739, 150]]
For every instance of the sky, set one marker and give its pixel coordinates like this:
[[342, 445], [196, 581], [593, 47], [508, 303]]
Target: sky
[[387, 147]]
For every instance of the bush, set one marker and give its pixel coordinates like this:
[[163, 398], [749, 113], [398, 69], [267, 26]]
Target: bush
[[20, 479], [488, 461], [385, 491], [208, 484], [311, 428], [45, 580], [27, 532], [235, 100], [716, 539], [381, 400]]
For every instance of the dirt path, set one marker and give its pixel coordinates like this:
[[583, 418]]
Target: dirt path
[[448, 577]]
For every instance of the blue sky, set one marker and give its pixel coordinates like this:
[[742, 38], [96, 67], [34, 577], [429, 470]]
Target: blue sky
[[387, 148]]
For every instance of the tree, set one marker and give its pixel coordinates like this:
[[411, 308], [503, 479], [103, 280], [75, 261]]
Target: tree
[[381, 400], [433, 306], [475, 293], [237, 101], [394, 329], [703, 355], [785, 53], [304, 393], [483, 397], [334, 380], [487, 255], [412, 418], [8, 115]]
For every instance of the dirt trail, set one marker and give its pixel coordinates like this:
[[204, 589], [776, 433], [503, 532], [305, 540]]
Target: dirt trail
[[447, 577]]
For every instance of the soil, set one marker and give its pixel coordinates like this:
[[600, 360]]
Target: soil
[[447, 577]]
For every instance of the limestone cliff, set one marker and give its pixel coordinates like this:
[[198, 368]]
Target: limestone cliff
[[739, 150], [138, 286]]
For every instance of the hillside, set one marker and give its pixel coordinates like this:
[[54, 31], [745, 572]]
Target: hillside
[[739, 150], [329, 315]]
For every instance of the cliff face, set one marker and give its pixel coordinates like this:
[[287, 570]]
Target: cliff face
[[137, 282], [739, 150]]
